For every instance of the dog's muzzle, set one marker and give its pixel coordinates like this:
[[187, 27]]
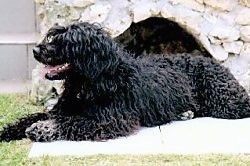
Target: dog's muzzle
[[36, 53], [36, 50]]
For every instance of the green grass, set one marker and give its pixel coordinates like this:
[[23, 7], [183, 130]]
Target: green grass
[[15, 153]]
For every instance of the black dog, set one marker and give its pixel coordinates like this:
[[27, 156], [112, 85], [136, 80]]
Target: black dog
[[109, 93]]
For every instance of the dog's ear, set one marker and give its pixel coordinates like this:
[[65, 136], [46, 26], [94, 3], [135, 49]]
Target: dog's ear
[[97, 59], [93, 51]]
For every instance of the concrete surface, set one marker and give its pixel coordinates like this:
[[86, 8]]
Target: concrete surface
[[196, 136], [18, 35], [14, 86]]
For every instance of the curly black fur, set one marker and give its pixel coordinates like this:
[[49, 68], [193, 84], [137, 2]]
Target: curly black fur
[[109, 93]]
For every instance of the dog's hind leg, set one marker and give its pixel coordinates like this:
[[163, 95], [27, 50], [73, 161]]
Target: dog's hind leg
[[16, 131], [221, 96], [227, 100], [78, 128]]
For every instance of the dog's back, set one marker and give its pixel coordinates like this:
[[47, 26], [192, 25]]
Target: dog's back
[[216, 90]]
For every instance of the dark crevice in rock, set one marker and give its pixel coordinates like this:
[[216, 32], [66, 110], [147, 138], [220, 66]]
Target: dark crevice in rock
[[159, 35]]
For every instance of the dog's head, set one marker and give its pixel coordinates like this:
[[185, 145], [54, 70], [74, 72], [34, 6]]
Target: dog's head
[[80, 48]]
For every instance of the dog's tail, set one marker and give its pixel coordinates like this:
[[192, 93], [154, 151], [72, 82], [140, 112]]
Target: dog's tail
[[16, 131]]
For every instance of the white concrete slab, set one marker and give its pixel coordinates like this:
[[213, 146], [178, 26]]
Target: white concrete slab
[[196, 136]]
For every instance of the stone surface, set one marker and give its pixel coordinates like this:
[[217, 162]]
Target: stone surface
[[245, 33], [186, 17], [245, 2], [189, 4], [41, 90], [74, 14], [215, 50], [200, 1], [96, 13], [223, 5], [117, 26], [225, 33], [219, 53], [245, 49], [220, 26], [234, 47], [82, 3], [168, 11], [243, 17], [40, 1], [141, 13], [239, 66]]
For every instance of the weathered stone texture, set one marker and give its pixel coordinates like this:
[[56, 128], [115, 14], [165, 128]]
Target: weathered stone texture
[[222, 26]]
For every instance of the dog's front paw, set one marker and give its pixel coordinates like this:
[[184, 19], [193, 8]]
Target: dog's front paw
[[187, 115], [43, 131]]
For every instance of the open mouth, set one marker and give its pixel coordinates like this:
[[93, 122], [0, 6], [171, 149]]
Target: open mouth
[[52, 71]]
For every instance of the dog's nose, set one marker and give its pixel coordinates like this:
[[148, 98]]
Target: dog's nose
[[36, 50]]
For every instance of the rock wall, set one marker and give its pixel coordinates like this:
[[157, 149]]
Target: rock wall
[[222, 27]]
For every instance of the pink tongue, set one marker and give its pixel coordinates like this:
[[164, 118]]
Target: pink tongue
[[51, 69]]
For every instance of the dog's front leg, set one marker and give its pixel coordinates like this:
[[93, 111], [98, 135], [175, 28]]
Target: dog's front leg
[[78, 128], [16, 131]]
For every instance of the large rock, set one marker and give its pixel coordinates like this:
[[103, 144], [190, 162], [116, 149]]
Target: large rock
[[245, 2], [215, 50], [245, 33], [189, 4], [225, 33], [117, 26], [96, 13], [82, 3], [233, 47], [245, 49], [222, 27], [140, 13], [42, 89], [240, 67], [222, 5], [243, 17]]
